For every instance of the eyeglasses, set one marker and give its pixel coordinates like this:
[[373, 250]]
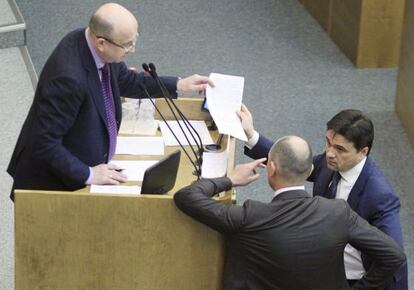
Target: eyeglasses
[[126, 47]]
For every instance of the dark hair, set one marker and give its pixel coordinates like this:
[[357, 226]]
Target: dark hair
[[355, 127], [294, 159]]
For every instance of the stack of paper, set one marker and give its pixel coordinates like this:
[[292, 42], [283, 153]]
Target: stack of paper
[[134, 169], [140, 145], [199, 126]]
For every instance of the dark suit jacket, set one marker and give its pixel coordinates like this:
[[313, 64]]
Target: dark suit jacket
[[371, 197], [295, 242], [65, 131]]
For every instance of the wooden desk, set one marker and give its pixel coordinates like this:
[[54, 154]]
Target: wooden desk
[[78, 240]]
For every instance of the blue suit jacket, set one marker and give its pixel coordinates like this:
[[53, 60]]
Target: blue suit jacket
[[371, 197], [65, 131]]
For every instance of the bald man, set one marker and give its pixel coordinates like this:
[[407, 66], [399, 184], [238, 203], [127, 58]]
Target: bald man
[[69, 135], [294, 242]]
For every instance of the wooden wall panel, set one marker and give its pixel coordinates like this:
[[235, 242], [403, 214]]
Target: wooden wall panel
[[380, 34], [367, 31], [405, 87], [320, 10], [345, 26]]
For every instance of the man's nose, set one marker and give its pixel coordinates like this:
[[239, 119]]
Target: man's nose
[[330, 152]]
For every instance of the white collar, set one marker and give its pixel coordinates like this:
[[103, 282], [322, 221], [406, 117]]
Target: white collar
[[351, 175], [290, 188]]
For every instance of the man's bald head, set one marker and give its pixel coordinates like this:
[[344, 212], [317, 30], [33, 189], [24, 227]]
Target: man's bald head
[[293, 157], [113, 21]]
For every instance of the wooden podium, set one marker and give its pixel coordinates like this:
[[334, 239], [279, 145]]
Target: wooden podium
[[79, 240]]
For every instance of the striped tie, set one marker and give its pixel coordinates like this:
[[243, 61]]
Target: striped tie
[[109, 109]]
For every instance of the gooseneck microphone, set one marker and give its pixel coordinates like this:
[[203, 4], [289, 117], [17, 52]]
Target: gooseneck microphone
[[166, 95], [197, 169]]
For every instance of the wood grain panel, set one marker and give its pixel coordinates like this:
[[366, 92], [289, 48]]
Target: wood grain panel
[[404, 104], [83, 241]]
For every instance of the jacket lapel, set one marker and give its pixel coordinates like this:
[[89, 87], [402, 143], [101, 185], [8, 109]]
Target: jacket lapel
[[357, 189], [94, 83]]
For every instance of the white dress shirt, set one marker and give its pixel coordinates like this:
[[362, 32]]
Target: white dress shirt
[[280, 190], [354, 268]]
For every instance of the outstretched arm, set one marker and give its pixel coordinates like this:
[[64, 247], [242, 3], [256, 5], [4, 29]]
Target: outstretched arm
[[195, 201]]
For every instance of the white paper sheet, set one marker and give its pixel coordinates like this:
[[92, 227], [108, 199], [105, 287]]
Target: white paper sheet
[[199, 126], [116, 189], [140, 145], [224, 100], [134, 169], [214, 164]]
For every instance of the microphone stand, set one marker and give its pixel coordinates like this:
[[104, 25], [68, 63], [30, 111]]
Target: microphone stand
[[152, 71], [183, 117], [197, 170]]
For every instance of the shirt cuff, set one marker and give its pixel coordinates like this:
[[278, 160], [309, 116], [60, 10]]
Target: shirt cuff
[[179, 93], [252, 141], [89, 180]]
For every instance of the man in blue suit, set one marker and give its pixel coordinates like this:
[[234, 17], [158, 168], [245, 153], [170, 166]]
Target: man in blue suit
[[346, 171], [69, 135]]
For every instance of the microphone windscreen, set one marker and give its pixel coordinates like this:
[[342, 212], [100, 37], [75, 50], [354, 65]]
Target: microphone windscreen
[[152, 67], [145, 67]]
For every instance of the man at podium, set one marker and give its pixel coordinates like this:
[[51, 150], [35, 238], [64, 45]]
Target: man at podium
[[70, 133]]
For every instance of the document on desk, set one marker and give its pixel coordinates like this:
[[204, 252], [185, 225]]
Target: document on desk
[[134, 169], [224, 100], [214, 164], [116, 189], [199, 126], [140, 145]]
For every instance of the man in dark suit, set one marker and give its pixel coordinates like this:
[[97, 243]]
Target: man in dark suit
[[294, 242], [345, 171], [69, 135]]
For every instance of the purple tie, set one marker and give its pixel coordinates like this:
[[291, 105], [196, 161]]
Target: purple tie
[[109, 109]]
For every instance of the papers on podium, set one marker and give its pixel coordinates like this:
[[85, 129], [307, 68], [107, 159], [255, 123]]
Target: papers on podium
[[134, 169], [199, 126], [224, 100], [140, 145]]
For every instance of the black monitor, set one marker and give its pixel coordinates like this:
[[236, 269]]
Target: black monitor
[[160, 177]]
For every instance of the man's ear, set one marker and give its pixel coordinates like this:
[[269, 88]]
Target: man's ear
[[312, 168], [100, 44], [364, 151], [272, 168]]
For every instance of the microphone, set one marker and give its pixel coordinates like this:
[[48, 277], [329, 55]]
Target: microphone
[[197, 169], [153, 72], [169, 101]]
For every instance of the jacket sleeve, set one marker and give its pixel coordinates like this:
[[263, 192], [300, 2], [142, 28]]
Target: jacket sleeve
[[383, 207], [261, 149], [386, 255], [195, 201], [59, 104]]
